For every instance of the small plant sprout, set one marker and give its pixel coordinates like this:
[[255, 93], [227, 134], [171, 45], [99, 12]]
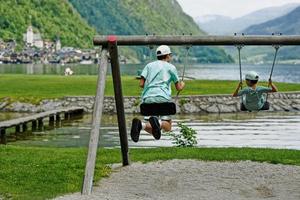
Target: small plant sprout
[[186, 137]]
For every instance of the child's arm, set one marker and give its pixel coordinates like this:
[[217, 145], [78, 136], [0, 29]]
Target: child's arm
[[142, 82], [179, 85], [237, 89], [274, 88]]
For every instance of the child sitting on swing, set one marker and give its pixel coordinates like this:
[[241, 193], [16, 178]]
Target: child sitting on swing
[[156, 79], [253, 96]]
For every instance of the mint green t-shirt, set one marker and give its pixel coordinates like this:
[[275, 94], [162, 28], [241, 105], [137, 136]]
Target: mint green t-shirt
[[254, 99], [158, 77]]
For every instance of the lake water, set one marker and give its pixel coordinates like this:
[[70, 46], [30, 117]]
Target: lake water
[[282, 73], [263, 129]]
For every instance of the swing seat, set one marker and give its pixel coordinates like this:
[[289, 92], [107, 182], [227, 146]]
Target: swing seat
[[158, 109], [265, 107]]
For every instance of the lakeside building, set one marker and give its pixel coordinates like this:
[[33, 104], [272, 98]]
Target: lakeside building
[[32, 39], [57, 45], [37, 50]]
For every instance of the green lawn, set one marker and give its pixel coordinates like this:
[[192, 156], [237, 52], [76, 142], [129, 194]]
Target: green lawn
[[35, 87], [43, 173]]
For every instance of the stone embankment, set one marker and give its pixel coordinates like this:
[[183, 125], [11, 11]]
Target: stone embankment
[[186, 104]]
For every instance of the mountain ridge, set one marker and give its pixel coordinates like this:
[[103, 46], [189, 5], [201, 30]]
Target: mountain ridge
[[160, 17], [287, 25], [226, 25]]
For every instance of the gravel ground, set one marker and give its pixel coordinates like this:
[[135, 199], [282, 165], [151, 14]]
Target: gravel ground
[[191, 179]]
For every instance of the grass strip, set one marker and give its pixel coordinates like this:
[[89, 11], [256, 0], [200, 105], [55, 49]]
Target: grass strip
[[33, 88], [43, 173]]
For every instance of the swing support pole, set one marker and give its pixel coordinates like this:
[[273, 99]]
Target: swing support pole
[[116, 74], [94, 136]]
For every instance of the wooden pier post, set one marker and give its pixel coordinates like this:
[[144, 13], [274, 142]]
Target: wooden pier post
[[33, 125], [115, 67], [24, 127], [57, 119], [67, 116], [40, 124], [18, 129], [51, 120], [96, 121], [2, 136]]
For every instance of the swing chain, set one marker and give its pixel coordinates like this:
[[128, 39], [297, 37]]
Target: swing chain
[[239, 48], [151, 47], [276, 47], [188, 47]]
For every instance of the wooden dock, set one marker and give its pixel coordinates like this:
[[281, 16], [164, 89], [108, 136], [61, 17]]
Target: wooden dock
[[36, 120]]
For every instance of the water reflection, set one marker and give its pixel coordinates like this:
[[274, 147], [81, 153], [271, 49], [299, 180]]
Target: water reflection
[[273, 130]]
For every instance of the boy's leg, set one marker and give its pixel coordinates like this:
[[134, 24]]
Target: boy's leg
[[166, 125]]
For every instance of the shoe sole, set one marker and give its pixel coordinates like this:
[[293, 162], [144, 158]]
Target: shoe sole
[[155, 128], [134, 133]]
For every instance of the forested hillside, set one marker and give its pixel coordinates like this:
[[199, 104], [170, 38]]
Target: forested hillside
[[60, 18], [160, 17], [128, 17], [53, 18]]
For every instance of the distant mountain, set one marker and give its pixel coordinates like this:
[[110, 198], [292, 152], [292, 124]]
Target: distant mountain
[[288, 24], [160, 17], [52, 18], [215, 24], [220, 25]]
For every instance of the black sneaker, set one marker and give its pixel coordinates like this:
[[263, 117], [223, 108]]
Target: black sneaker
[[136, 128], [155, 127]]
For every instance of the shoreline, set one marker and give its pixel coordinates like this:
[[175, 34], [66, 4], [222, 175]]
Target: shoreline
[[192, 104]]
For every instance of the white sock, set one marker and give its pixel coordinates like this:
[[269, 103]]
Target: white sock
[[159, 123], [143, 125]]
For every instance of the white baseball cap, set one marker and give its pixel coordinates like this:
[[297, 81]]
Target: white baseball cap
[[252, 75], [163, 50]]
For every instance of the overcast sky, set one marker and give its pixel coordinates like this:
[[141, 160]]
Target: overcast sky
[[231, 8]]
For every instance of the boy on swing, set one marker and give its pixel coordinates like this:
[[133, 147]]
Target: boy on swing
[[253, 96], [156, 79]]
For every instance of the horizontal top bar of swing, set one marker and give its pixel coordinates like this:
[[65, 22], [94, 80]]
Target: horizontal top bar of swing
[[135, 40]]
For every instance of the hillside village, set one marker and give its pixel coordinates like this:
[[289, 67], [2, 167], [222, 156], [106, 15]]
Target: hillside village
[[39, 50]]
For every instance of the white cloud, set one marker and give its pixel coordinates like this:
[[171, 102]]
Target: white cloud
[[232, 8]]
